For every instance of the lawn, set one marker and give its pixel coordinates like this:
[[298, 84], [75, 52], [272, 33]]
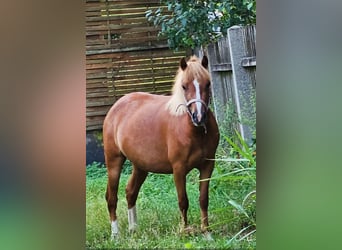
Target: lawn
[[232, 224]]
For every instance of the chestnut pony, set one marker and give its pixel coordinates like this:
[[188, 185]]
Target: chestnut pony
[[163, 134]]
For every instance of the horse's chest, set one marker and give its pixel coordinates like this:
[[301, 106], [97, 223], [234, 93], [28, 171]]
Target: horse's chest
[[190, 155], [196, 156]]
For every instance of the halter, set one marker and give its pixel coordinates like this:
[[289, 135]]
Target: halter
[[196, 100], [189, 112]]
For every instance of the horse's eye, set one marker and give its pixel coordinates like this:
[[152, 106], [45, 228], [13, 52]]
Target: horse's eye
[[184, 87]]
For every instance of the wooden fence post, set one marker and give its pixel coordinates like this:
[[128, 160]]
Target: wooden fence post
[[232, 66], [244, 93]]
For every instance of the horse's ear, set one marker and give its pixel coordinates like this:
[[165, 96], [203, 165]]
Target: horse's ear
[[183, 63], [205, 62]]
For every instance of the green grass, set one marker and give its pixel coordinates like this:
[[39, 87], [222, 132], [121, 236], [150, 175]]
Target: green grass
[[159, 217]]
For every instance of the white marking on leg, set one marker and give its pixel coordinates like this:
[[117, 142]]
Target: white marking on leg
[[198, 97], [115, 229], [132, 219]]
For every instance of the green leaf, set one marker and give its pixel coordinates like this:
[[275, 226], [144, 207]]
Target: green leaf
[[188, 245], [183, 21], [230, 160], [246, 152], [193, 16], [229, 242], [148, 13], [238, 207], [238, 149], [249, 6]]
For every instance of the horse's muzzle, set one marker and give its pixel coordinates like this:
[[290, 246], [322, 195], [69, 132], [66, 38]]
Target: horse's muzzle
[[198, 118]]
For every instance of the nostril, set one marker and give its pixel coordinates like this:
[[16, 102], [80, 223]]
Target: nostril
[[194, 117]]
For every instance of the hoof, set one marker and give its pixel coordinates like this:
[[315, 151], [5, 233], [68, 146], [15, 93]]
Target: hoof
[[132, 219], [114, 236], [115, 230], [133, 228]]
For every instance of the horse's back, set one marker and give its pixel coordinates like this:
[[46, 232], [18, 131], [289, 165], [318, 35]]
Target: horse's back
[[131, 104]]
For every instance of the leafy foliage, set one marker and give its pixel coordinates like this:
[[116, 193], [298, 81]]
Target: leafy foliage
[[95, 170], [237, 180], [191, 23]]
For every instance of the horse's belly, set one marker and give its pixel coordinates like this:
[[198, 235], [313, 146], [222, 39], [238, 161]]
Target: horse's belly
[[155, 167], [147, 150], [150, 161]]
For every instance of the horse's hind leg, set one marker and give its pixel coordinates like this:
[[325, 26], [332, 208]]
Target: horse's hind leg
[[114, 162], [132, 190]]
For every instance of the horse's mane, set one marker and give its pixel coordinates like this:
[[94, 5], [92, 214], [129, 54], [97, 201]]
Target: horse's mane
[[177, 103]]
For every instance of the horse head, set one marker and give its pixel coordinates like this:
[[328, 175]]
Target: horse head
[[195, 83]]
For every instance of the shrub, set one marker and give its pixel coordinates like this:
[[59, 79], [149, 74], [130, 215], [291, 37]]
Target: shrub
[[190, 24]]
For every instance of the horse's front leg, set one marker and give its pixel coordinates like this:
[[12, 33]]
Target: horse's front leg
[[205, 173], [180, 179]]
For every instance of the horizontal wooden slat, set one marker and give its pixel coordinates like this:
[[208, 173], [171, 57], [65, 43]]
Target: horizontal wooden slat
[[221, 67], [129, 49], [133, 64], [132, 27], [248, 62], [100, 102], [124, 54]]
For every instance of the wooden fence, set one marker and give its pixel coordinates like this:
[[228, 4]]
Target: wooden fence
[[123, 54], [232, 63]]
